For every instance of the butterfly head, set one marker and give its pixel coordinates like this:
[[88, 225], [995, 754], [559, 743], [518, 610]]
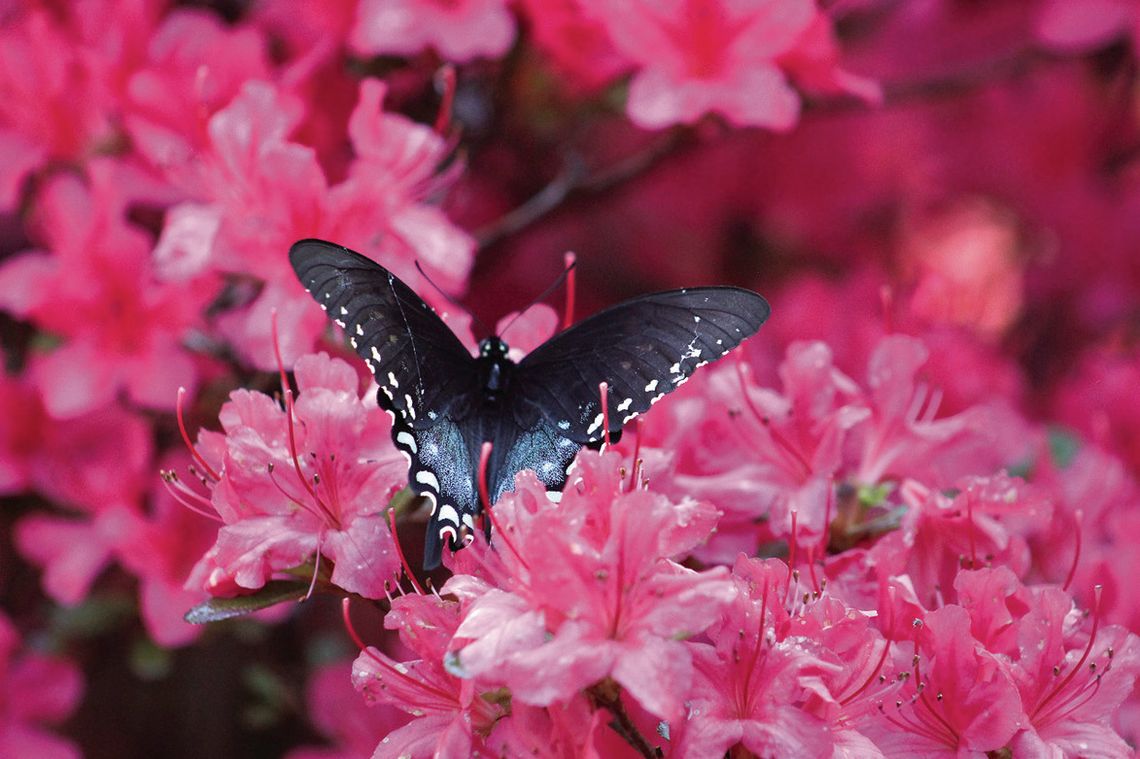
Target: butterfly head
[[494, 367], [493, 348]]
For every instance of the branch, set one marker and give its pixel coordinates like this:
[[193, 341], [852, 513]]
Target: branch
[[573, 181]]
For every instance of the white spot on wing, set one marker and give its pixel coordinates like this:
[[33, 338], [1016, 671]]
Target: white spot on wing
[[651, 386], [447, 513], [406, 439], [625, 404], [424, 477], [392, 380], [595, 424]]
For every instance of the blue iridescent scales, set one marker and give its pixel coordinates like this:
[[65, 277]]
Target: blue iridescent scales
[[538, 413]]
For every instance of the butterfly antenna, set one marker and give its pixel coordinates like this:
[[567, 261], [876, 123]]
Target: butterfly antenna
[[450, 299], [566, 272]]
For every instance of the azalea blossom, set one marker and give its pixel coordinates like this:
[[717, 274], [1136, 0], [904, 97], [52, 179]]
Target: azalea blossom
[[310, 480], [627, 607], [38, 690], [697, 56], [459, 31], [94, 286]]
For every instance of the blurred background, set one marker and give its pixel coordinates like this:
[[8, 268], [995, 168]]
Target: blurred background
[[965, 171]]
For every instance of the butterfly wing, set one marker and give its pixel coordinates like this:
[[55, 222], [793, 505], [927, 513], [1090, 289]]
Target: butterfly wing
[[420, 365], [642, 348], [428, 380]]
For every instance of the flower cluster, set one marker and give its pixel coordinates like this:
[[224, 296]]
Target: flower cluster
[[897, 522]]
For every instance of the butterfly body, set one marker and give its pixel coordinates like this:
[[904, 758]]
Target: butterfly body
[[537, 413]]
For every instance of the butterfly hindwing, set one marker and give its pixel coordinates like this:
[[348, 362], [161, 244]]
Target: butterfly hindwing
[[642, 348], [442, 469], [445, 467], [420, 365]]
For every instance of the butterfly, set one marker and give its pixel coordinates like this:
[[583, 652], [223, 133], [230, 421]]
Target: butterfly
[[537, 413]]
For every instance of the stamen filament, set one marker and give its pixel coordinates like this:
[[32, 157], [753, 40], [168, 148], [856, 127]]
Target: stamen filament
[[871, 677], [316, 569], [372, 654], [400, 552], [1078, 518], [187, 497], [603, 391], [1084, 656], [297, 462], [568, 307], [445, 80], [484, 458], [790, 453], [209, 470]]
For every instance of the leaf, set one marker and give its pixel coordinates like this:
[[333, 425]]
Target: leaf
[[274, 592]]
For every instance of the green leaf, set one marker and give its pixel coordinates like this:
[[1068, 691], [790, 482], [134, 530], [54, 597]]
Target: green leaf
[[1063, 446], [874, 495], [274, 592]]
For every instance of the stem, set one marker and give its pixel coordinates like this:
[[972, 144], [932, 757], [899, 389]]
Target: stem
[[607, 695]]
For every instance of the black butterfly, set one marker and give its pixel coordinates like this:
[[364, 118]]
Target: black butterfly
[[538, 413]]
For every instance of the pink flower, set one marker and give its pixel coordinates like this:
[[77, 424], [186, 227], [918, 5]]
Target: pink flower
[[122, 329], [577, 44], [452, 717], [958, 698], [48, 104], [588, 592], [986, 523], [562, 731], [340, 714], [98, 464], [34, 690], [258, 191], [904, 437], [813, 63], [1106, 494], [64, 71], [967, 265], [459, 30], [1069, 681], [1079, 26], [753, 686], [317, 484], [697, 56], [161, 548], [195, 65], [1098, 399]]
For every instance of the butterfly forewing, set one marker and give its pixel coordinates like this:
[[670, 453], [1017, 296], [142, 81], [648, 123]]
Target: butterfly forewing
[[425, 375], [420, 365], [642, 348]]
